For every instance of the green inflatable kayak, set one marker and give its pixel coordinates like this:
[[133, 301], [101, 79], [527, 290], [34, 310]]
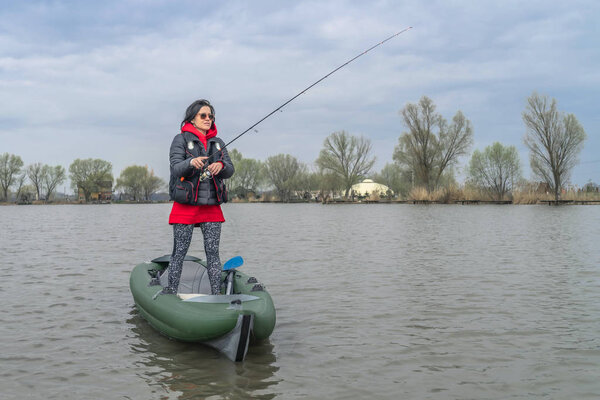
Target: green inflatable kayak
[[226, 322]]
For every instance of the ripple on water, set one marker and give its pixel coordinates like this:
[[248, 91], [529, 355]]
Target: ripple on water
[[372, 302]]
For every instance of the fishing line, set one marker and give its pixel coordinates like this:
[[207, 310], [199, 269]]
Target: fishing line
[[308, 88]]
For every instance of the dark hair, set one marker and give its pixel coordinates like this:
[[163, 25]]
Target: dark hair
[[193, 109]]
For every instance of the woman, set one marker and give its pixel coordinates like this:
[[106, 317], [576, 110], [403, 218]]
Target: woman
[[199, 163]]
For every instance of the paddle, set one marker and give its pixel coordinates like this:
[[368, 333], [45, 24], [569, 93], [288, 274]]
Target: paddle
[[230, 265], [233, 263]]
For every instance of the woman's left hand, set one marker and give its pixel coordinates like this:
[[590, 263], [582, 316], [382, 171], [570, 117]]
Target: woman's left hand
[[215, 168]]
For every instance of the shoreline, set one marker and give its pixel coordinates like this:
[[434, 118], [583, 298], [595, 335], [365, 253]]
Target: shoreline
[[335, 202]]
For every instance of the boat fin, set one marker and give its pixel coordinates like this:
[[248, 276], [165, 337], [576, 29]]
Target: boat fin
[[235, 343]]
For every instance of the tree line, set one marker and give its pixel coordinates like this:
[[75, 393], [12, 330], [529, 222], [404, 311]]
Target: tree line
[[44, 179], [39, 181], [426, 156]]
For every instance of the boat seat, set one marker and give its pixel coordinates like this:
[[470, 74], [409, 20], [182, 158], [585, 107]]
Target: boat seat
[[194, 279]]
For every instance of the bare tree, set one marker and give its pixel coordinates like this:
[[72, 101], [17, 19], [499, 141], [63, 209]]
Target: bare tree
[[554, 141], [496, 169], [348, 157], [431, 146], [10, 169], [51, 178], [20, 183], [35, 172]]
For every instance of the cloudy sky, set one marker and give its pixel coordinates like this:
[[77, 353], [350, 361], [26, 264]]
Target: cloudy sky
[[112, 79]]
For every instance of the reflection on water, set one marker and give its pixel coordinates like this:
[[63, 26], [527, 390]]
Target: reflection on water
[[194, 371]]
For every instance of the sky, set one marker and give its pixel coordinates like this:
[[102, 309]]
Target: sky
[[112, 79]]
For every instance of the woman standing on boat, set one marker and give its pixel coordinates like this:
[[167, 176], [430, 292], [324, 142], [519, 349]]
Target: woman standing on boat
[[199, 164]]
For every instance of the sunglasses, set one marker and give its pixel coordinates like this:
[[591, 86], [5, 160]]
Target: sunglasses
[[209, 116]]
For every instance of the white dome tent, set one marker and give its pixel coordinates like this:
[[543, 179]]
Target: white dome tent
[[368, 188]]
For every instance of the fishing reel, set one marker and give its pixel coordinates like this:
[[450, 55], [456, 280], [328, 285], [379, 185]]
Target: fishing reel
[[206, 174]]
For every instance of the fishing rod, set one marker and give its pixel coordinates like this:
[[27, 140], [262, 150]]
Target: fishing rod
[[308, 88]]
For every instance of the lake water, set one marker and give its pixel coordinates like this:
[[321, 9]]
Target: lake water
[[373, 301]]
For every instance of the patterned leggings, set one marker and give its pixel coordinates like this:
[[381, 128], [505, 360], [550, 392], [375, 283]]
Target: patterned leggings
[[182, 237]]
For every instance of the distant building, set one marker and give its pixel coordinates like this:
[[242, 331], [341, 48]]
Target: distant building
[[103, 195], [368, 187]]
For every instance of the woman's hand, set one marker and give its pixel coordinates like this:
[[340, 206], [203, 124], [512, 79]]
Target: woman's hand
[[215, 168], [198, 162]]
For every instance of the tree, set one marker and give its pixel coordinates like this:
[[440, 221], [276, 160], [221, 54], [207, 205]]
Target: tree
[[248, 176], [431, 145], [51, 178], [325, 182], [590, 187], [139, 182], [305, 183], [347, 157], [554, 141], [282, 171], [26, 194], [35, 172], [151, 184], [20, 183], [496, 169], [90, 175], [395, 177], [131, 181], [10, 169]]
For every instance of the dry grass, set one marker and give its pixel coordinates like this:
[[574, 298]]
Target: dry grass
[[447, 195], [581, 196], [452, 194], [528, 197], [374, 196], [418, 194], [471, 193], [531, 197]]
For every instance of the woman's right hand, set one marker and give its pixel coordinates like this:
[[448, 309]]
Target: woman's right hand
[[198, 162]]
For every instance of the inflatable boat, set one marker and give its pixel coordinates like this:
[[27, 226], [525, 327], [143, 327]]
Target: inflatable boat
[[227, 322]]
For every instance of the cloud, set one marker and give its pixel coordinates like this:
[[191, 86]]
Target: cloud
[[112, 79]]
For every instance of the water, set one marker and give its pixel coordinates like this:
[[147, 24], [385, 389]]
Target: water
[[373, 301]]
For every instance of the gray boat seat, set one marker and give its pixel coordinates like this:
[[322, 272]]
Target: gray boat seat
[[194, 279]]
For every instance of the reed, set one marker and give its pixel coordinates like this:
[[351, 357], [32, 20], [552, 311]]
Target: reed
[[472, 193], [374, 196], [418, 194], [581, 196], [447, 195], [528, 197], [454, 193]]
